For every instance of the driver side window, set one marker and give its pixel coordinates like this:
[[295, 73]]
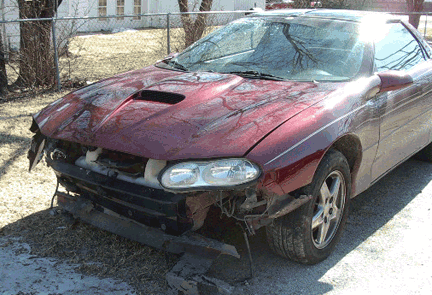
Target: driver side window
[[398, 50]]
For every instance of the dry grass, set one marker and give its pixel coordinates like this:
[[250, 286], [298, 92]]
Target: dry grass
[[102, 55], [24, 201]]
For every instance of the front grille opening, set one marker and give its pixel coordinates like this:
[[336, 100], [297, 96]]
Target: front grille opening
[[130, 165], [159, 96]]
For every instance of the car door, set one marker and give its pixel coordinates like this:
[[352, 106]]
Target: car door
[[405, 113]]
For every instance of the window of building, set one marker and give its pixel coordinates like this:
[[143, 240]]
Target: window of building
[[137, 9], [120, 8], [102, 9]]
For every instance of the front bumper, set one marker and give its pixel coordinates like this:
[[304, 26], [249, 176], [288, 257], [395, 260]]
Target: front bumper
[[84, 210], [152, 207]]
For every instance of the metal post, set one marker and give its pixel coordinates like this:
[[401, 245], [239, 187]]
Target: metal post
[[3, 28], [56, 61], [424, 34], [168, 34], [251, 268]]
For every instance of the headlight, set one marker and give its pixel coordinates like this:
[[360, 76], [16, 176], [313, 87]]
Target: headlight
[[219, 173]]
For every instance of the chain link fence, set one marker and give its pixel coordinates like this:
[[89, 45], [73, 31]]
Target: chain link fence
[[87, 49], [101, 47]]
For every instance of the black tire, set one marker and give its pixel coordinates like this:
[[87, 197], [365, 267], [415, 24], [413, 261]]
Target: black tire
[[292, 235], [425, 154]]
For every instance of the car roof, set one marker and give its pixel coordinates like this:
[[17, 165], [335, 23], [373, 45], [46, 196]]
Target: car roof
[[336, 14]]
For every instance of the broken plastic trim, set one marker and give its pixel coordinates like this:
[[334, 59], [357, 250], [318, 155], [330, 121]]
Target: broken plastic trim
[[35, 152]]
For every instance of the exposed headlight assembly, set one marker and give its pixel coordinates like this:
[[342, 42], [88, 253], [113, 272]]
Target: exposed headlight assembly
[[218, 173]]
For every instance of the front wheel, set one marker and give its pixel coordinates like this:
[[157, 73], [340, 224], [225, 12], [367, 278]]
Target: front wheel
[[309, 234]]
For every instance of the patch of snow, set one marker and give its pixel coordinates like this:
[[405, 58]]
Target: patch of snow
[[24, 273]]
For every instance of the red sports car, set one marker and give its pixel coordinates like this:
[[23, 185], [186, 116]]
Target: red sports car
[[277, 120]]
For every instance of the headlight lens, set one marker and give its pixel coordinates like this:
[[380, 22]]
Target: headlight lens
[[220, 173], [181, 175]]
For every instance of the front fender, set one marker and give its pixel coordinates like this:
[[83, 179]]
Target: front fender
[[290, 154]]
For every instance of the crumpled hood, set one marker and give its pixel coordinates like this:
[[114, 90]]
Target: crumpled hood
[[221, 115]]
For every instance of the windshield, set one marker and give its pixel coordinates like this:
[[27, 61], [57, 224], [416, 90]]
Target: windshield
[[304, 49]]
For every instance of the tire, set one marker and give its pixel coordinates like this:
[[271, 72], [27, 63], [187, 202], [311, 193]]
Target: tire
[[309, 234], [425, 154]]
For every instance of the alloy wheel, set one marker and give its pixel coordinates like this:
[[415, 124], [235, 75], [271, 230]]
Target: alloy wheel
[[328, 209]]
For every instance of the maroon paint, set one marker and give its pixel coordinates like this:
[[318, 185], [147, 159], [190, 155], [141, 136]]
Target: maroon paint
[[222, 115]]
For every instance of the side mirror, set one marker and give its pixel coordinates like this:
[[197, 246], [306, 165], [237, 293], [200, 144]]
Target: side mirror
[[394, 80]]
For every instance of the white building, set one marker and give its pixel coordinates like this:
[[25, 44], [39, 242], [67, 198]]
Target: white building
[[109, 8]]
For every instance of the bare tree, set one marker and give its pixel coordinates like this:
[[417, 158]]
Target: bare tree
[[36, 64], [414, 6], [302, 4], [194, 29]]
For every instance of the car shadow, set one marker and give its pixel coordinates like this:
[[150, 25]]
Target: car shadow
[[369, 211]]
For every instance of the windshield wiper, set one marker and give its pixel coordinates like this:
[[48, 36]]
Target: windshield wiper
[[256, 74], [177, 65]]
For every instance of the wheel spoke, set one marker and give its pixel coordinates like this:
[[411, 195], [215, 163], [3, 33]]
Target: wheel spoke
[[324, 192], [334, 191], [335, 214], [318, 218], [322, 234]]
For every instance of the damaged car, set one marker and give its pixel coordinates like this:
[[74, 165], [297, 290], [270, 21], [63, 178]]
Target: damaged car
[[277, 120]]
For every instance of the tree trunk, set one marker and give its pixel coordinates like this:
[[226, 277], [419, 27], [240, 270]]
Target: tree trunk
[[36, 60], [414, 6], [36, 63], [3, 75], [194, 30]]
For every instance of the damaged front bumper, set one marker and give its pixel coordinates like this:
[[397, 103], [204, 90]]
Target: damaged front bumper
[[149, 206], [189, 242]]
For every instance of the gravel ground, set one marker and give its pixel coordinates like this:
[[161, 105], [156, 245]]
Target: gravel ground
[[385, 249]]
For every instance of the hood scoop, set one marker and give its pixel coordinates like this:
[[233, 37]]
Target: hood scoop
[[159, 96]]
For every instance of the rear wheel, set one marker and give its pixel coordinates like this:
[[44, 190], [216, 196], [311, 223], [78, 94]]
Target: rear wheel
[[309, 234]]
